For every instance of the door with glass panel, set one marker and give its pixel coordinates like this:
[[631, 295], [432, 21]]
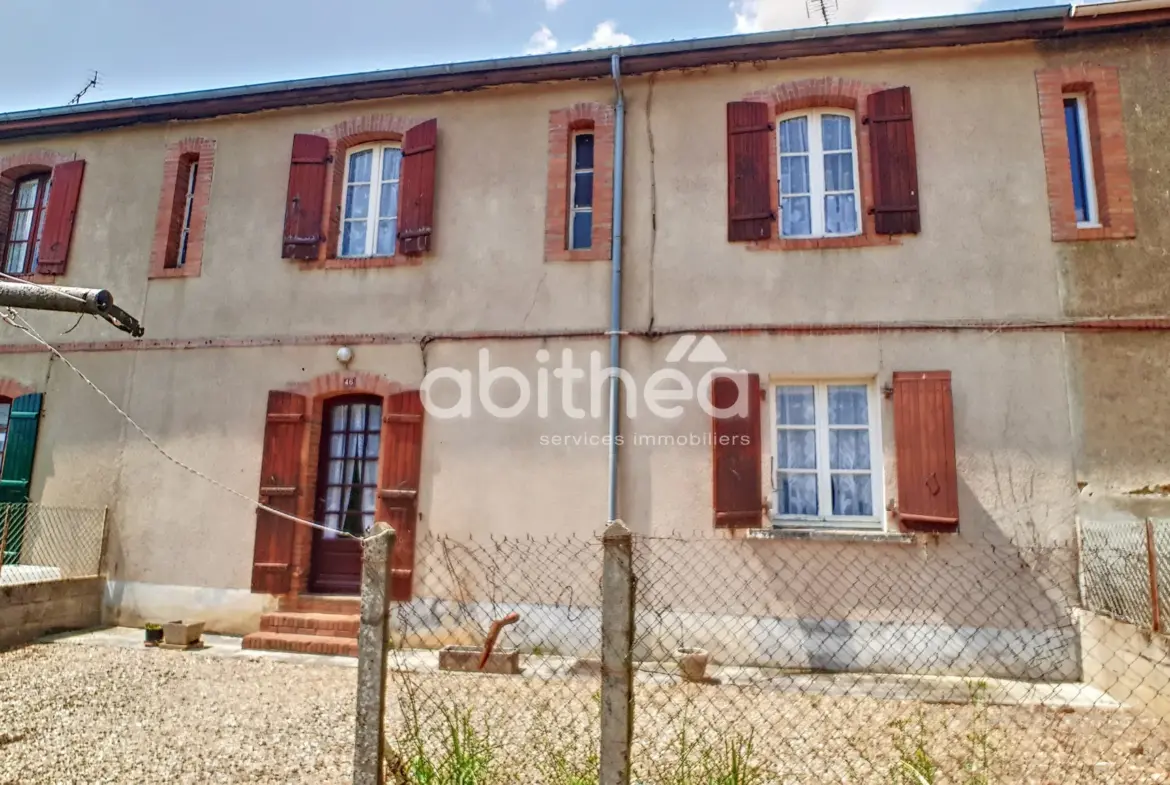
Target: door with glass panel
[[347, 491]]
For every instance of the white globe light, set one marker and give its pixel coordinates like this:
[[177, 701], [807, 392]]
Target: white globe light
[[344, 355]]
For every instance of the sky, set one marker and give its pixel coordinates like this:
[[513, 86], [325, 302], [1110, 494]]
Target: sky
[[151, 47]]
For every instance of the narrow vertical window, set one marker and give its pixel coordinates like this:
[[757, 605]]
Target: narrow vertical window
[[26, 225], [184, 201], [1080, 156], [370, 217], [581, 199]]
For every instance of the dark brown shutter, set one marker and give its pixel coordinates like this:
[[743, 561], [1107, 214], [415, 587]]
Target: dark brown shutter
[[735, 443], [60, 215], [280, 477], [750, 215], [416, 216], [895, 163], [924, 437], [402, 423], [304, 210]]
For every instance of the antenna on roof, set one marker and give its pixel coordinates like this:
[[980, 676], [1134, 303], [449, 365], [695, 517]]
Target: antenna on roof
[[93, 82], [821, 8]]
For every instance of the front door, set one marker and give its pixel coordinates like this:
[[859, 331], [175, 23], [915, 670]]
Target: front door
[[347, 491]]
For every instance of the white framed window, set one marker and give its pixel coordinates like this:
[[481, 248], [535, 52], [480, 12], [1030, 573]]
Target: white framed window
[[828, 461], [369, 225], [581, 198], [818, 174], [1080, 158]]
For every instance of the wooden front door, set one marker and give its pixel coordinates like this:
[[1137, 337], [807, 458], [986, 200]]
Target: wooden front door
[[347, 491]]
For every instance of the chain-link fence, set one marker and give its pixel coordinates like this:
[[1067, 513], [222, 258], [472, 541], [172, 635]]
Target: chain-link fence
[[41, 543], [774, 660], [1126, 570]]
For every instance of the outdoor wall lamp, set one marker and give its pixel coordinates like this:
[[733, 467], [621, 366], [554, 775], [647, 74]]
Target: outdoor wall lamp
[[345, 355]]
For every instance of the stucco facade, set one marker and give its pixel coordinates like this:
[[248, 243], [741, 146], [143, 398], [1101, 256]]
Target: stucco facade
[[1035, 411]]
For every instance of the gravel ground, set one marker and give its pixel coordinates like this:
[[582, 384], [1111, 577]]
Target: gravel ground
[[88, 714]]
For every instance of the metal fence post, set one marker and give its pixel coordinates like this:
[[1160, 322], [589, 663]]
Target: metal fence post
[[373, 651], [1152, 565], [617, 643], [4, 535]]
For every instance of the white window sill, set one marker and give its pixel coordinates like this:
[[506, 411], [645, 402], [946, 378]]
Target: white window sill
[[831, 535], [1088, 225]]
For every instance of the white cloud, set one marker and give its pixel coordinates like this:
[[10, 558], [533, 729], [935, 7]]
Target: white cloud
[[553, 5], [542, 42], [753, 16], [605, 35]]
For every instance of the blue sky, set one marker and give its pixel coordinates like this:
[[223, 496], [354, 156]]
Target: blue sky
[[147, 47]]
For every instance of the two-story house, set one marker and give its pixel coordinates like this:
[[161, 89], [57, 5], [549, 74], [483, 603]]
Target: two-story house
[[909, 241]]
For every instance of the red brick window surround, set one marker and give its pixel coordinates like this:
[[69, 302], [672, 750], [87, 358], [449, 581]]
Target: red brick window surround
[[181, 222], [344, 137], [823, 93], [564, 126], [1100, 87], [16, 169]]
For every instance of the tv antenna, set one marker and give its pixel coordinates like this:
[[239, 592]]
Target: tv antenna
[[92, 83], [824, 9]]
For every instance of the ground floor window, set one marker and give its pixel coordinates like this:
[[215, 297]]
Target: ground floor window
[[828, 453], [347, 488]]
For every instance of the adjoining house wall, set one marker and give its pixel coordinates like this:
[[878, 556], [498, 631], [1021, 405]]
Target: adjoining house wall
[[29, 610]]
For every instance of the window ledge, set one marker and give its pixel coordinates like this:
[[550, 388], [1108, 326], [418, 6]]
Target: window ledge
[[363, 262], [175, 272], [580, 255], [831, 535], [823, 243], [33, 277]]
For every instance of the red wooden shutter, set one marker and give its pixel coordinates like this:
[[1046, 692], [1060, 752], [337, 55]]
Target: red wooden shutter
[[416, 214], [924, 436], [735, 443], [61, 212], [895, 164], [402, 423], [280, 476], [305, 208], [750, 214]]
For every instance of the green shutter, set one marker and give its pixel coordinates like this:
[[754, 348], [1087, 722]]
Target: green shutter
[[17, 472]]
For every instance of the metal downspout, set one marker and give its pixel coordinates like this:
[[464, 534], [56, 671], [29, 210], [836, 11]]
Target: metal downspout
[[615, 320]]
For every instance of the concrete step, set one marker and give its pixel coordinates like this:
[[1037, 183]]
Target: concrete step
[[321, 603], [334, 625], [302, 644]]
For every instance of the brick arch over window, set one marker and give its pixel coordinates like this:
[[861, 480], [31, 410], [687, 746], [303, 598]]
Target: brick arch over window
[[12, 168], [562, 124], [825, 93], [12, 389], [342, 137], [319, 390]]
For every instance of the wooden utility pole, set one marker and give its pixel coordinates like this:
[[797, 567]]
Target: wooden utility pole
[[68, 299]]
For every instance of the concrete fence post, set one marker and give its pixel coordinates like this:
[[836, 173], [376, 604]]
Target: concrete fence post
[[373, 651], [617, 643], [1152, 568]]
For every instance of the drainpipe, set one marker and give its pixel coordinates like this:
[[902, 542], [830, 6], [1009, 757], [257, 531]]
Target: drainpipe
[[615, 297]]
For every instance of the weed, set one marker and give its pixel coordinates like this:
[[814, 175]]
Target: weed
[[915, 765]]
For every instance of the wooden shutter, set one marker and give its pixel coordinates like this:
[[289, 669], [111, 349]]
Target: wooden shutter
[[924, 436], [416, 213], [16, 475], [60, 214], [895, 164], [305, 208], [7, 194], [402, 423], [735, 443], [750, 214], [280, 477]]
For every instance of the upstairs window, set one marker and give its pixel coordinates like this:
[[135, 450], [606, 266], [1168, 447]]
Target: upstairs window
[[818, 175], [1080, 156], [27, 224], [187, 181], [581, 200], [370, 201]]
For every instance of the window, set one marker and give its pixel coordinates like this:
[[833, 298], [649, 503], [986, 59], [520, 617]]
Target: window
[[818, 175], [370, 212], [188, 185], [1080, 156], [5, 410], [31, 196], [581, 204], [828, 464], [348, 486]]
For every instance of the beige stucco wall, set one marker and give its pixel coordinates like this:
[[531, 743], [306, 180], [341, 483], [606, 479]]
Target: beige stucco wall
[[984, 253]]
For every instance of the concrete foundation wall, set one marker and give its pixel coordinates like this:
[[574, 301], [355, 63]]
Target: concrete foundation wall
[[29, 610], [1128, 662]]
